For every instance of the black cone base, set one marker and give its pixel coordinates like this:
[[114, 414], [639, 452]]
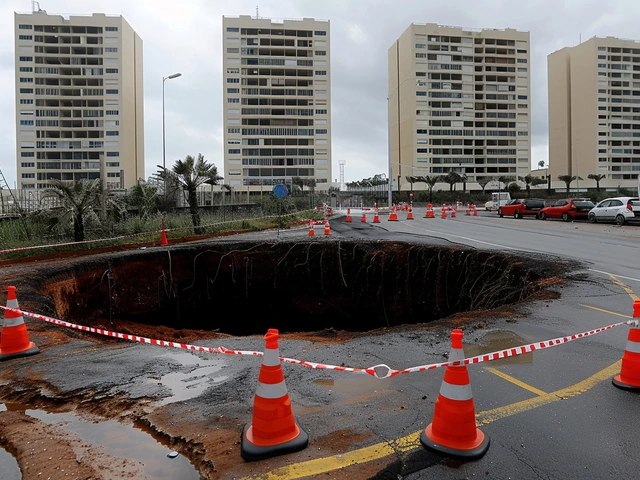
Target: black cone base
[[472, 454], [251, 452], [24, 353], [624, 386]]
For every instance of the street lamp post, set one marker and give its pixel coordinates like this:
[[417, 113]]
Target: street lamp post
[[164, 163]]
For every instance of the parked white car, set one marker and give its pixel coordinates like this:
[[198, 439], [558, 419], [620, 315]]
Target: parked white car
[[618, 210]]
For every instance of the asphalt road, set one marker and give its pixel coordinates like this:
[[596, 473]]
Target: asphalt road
[[551, 414]]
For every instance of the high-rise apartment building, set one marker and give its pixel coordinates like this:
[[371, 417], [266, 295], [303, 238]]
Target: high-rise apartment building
[[594, 112], [276, 101], [459, 101], [79, 100]]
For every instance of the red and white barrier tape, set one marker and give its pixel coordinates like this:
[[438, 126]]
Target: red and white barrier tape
[[377, 371]]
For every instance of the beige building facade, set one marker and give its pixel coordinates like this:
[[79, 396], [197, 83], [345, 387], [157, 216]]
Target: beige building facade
[[276, 101], [79, 100], [594, 113], [459, 101]]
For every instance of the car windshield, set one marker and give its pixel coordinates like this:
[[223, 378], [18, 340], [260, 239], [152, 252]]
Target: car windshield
[[634, 202], [584, 204]]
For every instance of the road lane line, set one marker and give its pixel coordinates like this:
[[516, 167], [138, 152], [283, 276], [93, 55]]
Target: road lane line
[[624, 287], [515, 381], [619, 276], [412, 441], [459, 236], [606, 311]]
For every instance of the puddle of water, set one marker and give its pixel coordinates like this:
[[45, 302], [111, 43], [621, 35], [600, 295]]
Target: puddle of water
[[186, 385], [499, 340], [9, 469], [124, 441]]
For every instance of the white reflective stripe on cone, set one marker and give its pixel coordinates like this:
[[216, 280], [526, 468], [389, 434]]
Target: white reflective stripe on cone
[[456, 354], [456, 392], [271, 390], [13, 322], [633, 347], [271, 357]]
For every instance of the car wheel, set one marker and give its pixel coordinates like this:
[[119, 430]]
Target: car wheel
[[620, 219], [542, 216], [516, 214], [565, 217], [592, 218], [500, 212]]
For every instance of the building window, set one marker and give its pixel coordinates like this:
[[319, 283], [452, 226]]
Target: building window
[[113, 154], [522, 60], [320, 72], [321, 131], [111, 49], [111, 70], [28, 175], [234, 151], [25, 27], [321, 53], [320, 33], [26, 59], [233, 100], [26, 90], [26, 101], [111, 91], [26, 69], [233, 30], [112, 133], [25, 37], [321, 111], [233, 80], [26, 80], [112, 112], [110, 29], [26, 122]]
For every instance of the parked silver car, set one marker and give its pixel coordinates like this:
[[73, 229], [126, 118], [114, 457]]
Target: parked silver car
[[618, 210]]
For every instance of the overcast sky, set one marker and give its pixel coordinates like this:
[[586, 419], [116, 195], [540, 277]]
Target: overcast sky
[[186, 37]]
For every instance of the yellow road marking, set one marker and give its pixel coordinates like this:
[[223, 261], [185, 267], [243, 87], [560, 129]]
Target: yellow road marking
[[515, 381], [606, 311], [412, 441], [624, 287]]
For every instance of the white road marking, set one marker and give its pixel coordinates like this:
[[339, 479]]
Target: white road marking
[[464, 238], [616, 275]]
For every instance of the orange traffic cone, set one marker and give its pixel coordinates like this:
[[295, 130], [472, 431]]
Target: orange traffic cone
[[393, 216], [327, 229], [429, 213], [410, 214], [312, 232], [376, 217], [348, 219], [468, 210], [629, 378], [273, 430], [453, 429], [444, 212], [364, 218], [163, 238], [475, 211], [453, 213], [14, 340]]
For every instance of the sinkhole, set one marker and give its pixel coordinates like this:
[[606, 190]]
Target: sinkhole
[[246, 288]]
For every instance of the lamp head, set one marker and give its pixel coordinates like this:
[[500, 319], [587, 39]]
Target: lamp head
[[175, 75]]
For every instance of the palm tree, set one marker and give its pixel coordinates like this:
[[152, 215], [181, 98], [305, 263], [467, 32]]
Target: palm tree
[[78, 201], [190, 174], [451, 178], [527, 179], [146, 198], [430, 181], [483, 182], [597, 177], [567, 179], [411, 179]]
